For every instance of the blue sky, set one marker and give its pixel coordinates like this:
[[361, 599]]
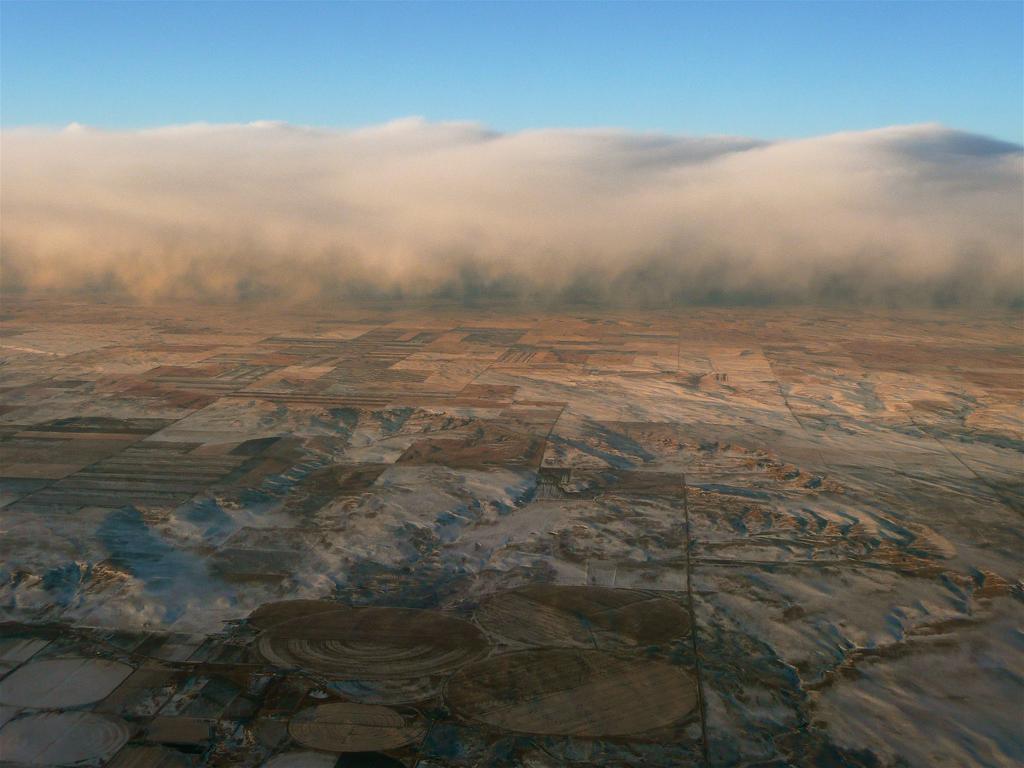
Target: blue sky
[[762, 69]]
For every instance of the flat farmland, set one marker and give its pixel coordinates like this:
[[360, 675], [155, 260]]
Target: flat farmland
[[495, 536]]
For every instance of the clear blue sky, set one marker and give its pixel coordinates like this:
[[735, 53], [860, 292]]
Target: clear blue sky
[[763, 69]]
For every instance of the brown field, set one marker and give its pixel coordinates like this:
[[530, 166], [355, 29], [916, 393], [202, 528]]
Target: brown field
[[448, 536]]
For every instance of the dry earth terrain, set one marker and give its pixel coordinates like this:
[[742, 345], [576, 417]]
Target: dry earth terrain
[[473, 537]]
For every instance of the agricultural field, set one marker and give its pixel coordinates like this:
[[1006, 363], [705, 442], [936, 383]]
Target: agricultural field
[[450, 536]]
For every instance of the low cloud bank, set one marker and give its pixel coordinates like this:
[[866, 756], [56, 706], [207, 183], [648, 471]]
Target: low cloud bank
[[412, 209]]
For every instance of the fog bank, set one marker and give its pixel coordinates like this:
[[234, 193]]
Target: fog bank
[[267, 211]]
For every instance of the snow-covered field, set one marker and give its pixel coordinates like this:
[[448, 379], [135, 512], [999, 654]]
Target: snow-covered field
[[586, 537]]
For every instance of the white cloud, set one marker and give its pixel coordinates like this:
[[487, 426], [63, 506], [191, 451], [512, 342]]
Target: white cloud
[[269, 210]]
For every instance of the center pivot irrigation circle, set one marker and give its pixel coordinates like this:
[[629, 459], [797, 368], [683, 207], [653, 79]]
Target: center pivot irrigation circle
[[372, 643], [347, 727], [62, 738], [572, 693], [63, 682], [583, 617]]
